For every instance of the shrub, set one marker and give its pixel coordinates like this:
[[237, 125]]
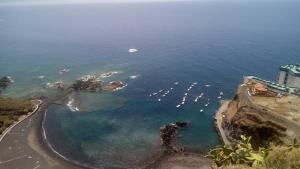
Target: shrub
[[283, 157], [240, 153]]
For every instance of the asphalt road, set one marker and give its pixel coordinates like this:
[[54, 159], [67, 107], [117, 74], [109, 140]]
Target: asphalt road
[[22, 147]]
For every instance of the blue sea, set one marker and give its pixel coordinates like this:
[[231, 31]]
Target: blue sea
[[208, 42]]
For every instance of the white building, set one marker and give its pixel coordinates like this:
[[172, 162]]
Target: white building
[[289, 75]]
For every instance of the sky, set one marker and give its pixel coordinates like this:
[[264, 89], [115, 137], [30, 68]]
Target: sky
[[46, 2], [53, 2]]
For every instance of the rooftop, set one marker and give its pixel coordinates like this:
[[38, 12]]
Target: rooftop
[[292, 68], [274, 85]]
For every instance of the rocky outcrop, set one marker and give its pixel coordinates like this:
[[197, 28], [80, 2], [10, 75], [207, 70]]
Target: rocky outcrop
[[5, 81], [168, 134], [87, 83], [56, 85], [114, 85]]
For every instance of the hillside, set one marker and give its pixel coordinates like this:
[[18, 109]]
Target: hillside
[[11, 109]]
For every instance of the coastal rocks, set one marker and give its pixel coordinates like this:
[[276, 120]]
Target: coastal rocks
[[56, 85], [114, 86], [88, 83], [108, 74], [168, 134], [4, 82]]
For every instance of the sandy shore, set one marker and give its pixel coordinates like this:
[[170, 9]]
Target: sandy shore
[[23, 147]]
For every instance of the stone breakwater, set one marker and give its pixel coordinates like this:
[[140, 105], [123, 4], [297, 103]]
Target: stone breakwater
[[168, 135]]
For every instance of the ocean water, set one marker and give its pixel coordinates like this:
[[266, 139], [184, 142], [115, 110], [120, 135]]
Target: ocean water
[[206, 42]]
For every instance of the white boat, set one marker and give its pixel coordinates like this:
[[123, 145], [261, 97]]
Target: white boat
[[178, 106], [176, 83], [219, 97], [201, 110], [208, 85], [221, 93], [132, 50], [159, 100], [133, 77]]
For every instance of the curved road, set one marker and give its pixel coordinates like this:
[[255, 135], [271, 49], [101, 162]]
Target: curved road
[[23, 148]]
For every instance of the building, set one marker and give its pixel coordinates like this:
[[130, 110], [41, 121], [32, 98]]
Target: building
[[289, 75]]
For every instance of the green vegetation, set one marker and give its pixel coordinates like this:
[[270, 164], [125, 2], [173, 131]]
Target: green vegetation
[[240, 153], [242, 156], [11, 109]]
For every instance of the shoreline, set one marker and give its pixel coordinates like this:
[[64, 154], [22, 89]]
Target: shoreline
[[20, 119], [37, 141], [218, 121], [50, 147], [154, 162]]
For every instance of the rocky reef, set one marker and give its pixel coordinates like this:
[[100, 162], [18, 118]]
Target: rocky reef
[[4, 82], [87, 83], [56, 85], [114, 85], [168, 135]]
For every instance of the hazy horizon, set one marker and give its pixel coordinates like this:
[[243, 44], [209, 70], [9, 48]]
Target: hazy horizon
[[57, 2]]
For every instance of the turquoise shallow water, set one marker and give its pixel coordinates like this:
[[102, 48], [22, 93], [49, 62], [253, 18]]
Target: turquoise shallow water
[[206, 42]]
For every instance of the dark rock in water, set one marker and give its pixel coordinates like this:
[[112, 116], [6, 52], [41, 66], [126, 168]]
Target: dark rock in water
[[114, 85], [181, 123], [5, 81], [89, 83], [168, 134]]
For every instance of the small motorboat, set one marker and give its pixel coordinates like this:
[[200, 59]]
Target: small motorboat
[[132, 50]]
